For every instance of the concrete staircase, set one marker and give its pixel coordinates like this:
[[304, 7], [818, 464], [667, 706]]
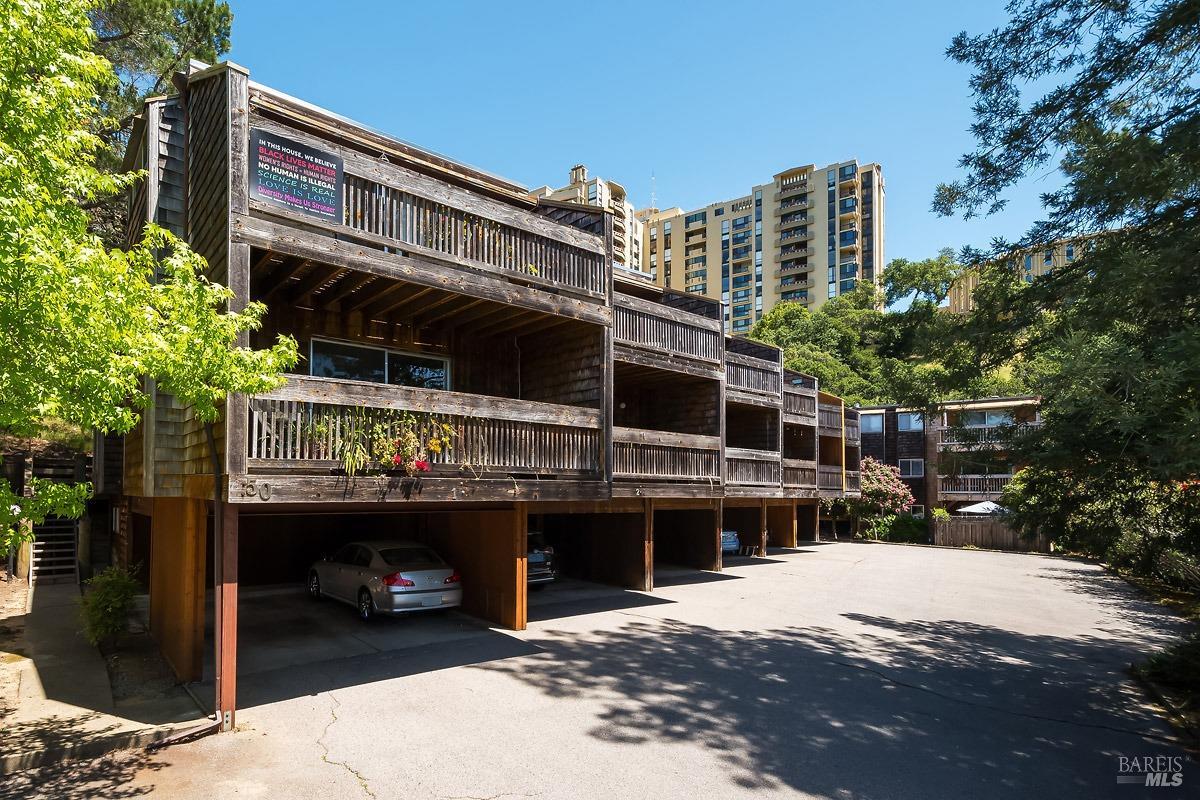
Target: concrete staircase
[[55, 559]]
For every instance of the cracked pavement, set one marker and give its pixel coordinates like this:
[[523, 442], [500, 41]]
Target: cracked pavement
[[835, 670]]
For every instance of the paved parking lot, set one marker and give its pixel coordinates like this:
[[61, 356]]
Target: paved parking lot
[[834, 670]]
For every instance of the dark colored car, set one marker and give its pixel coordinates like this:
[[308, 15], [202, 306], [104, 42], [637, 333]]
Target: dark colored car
[[541, 564]]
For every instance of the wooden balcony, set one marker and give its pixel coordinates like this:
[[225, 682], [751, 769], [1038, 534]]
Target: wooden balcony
[[853, 429], [829, 478], [745, 467], [799, 398], [298, 439], [972, 487], [397, 222], [665, 456], [799, 474], [991, 436], [829, 419], [853, 481], [654, 334], [753, 373]]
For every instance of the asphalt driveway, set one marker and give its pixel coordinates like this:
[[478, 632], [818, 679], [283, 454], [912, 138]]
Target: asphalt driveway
[[834, 670]]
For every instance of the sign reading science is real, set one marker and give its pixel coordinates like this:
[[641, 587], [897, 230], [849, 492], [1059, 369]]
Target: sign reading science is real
[[295, 176]]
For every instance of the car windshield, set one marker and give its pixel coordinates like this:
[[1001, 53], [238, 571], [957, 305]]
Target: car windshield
[[410, 557]]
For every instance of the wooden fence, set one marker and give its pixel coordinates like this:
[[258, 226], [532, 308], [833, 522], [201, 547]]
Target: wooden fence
[[988, 533]]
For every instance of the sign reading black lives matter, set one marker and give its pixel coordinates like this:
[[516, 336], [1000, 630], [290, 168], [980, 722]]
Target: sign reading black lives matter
[[295, 176]]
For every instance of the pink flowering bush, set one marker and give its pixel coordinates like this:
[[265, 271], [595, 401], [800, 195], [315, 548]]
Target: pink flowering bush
[[883, 491]]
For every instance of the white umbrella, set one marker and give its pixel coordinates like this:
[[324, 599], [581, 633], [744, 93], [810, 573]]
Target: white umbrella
[[987, 507]]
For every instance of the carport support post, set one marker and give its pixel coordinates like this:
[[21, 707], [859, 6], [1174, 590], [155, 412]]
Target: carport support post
[[762, 527], [648, 545], [225, 585]]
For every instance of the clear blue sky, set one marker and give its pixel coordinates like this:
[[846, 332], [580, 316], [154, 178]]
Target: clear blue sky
[[526, 89]]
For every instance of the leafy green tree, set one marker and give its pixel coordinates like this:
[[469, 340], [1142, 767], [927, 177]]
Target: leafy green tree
[[81, 325], [146, 42], [1108, 94], [837, 343]]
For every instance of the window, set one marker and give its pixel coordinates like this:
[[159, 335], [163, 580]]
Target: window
[[984, 419], [909, 421], [718, 212], [741, 222], [917, 511], [409, 370], [912, 468], [691, 219], [1028, 263], [345, 361], [1048, 258], [871, 423]]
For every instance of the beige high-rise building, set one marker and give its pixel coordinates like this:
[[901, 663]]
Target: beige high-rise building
[[1028, 264], [810, 234], [627, 229]]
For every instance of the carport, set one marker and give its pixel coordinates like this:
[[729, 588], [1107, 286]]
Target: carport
[[274, 548], [687, 534], [486, 545], [761, 523], [609, 543]]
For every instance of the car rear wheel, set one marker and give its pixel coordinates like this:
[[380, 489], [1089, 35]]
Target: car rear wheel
[[365, 607], [314, 586]]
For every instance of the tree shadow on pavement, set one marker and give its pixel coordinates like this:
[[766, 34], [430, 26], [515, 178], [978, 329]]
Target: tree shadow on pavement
[[109, 776], [881, 708]]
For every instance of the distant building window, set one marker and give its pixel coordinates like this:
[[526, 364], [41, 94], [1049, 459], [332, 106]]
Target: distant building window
[[691, 219], [1070, 252], [912, 468], [1048, 258], [871, 423], [1028, 263], [741, 222], [718, 212], [909, 421], [917, 511]]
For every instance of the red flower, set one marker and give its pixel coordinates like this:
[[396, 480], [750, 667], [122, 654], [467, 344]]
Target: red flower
[[420, 465], [396, 459]]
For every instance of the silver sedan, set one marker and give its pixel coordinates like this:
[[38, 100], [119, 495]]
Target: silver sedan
[[386, 577]]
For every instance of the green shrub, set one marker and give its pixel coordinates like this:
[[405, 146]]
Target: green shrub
[[897, 528], [940, 515], [105, 608]]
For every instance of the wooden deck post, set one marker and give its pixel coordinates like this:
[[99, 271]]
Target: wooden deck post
[[225, 585], [648, 544]]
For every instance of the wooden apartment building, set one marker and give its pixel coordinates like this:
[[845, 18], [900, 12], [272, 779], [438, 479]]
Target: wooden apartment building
[[584, 402]]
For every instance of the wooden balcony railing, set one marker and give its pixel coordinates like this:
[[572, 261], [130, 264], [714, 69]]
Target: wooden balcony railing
[[853, 481], [800, 402], [991, 434], [747, 467], [408, 218], [829, 477], [829, 418], [853, 431], [798, 473], [752, 374], [662, 329], [973, 484], [308, 425], [662, 455]]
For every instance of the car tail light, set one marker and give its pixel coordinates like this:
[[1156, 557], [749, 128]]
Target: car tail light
[[454, 578], [548, 551], [396, 579]]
